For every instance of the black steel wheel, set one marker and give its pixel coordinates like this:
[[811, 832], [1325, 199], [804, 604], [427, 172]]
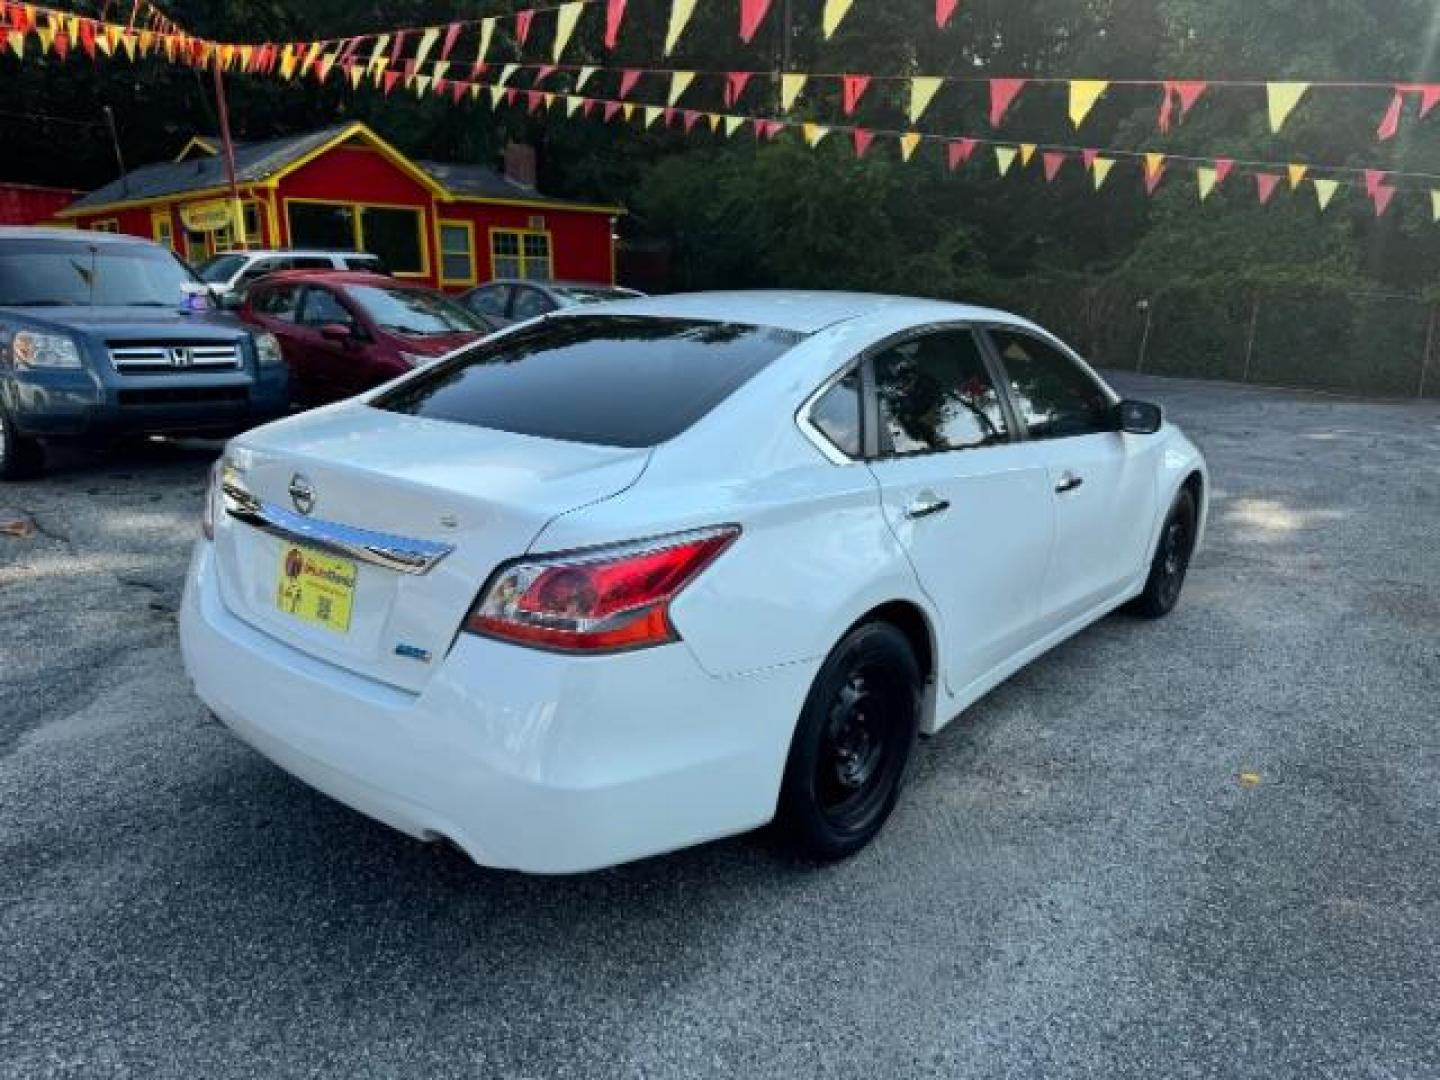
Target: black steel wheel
[[1172, 560], [853, 744]]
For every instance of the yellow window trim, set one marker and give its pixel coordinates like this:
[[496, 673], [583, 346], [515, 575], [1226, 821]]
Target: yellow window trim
[[469, 226], [420, 213], [522, 233], [162, 228]]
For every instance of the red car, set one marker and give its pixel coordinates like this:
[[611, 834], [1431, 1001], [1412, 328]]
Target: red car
[[345, 333]]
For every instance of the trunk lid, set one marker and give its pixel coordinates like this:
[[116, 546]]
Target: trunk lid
[[484, 494]]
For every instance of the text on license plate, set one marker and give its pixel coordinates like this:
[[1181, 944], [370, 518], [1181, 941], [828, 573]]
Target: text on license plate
[[316, 588]]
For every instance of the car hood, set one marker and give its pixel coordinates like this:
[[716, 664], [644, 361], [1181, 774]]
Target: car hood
[[134, 323]]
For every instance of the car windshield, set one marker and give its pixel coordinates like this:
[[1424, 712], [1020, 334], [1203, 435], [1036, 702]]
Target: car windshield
[[605, 380], [572, 296], [219, 269], [79, 273], [414, 312]]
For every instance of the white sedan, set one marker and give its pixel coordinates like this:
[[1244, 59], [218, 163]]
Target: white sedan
[[632, 578]]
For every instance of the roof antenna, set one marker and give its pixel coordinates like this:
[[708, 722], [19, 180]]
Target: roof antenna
[[115, 142]]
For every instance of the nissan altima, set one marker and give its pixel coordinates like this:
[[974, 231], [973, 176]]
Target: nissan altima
[[630, 578]]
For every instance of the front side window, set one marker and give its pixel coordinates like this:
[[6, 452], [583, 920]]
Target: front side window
[[936, 395], [279, 302], [1055, 397], [322, 308]]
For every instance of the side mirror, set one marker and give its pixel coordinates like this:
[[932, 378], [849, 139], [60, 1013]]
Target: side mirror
[[1139, 418], [338, 333]]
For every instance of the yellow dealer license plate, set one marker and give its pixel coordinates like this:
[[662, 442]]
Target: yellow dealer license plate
[[316, 588]]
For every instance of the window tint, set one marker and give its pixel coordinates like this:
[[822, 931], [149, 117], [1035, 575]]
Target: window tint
[[605, 380], [1055, 397], [367, 263], [837, 415], [310, 262], [414, 312], [61, 273], [936, 395], [489, 301], [323, 309], [530, 303], [278, 303]]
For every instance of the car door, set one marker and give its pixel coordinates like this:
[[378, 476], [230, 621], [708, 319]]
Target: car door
[[969, 501], [1102, 481], [275, 308], [331, 363]]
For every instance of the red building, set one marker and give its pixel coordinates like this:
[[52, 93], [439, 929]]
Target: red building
[[24, 204], [345, 188]]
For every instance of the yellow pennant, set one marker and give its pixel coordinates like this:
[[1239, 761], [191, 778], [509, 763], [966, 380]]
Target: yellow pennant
[[629, 110], [909, 143], [733, 124], [1084, 93], [1102, 168], [790, 87], [565, 19], [227, 57], [716, 122], [507, 73], [287, 62], [1297, 175], [379, 58], [1153, 164], [922, 92], [247, 54], [326, 64], [46, 34], [103, 41], [1206, 178], [497, 95], [814, 134], [1027, 154], [356, 73], [475, 89], [427, 42], [1005, 158], [1435, 204], [442, 69], [1283, 98], [549, 99], [572, 104], [586, 74], [487, 32], [680, 12], [1325, 191], [17, 44], [310, 57], [835, 11], [653, 113], [422, 85], [679, 82]]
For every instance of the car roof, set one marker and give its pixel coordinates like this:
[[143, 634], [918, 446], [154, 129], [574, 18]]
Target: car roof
[[558, 285], [340, 277], [802, 312], [309, 253], [86, 235]]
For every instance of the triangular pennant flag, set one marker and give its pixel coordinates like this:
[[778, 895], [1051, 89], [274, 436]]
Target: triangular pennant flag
[[1223, 168], [1325, 191], [628, 109], [909, 143], [1185, 94], [458, 90], [1429, 97], [832, 15], [680, 12], [1206, 178], [734, 124], [1283, 97], [1390, 124], [487, 34], [427, 42], [497, 94], [356, 73], [1435, 204], [1027, 154], [1265, 185], [566, 17], [1297, 175], [1004, 158], [752, 14], [614, 16], [1083, 95], [1053, 162], [612, 109], [862, 140], [543, 72], [391, 79], [1374, 179], [691, 118], [814, 134], [1003, 93], [944, 10], [585, 75], [628, 78], [790, 87], [377, 56], [652, 113], [1154, 172], [735, 83], [717, 122], [452, 35], [422, 84], [960, 151], [923, 89], [1101, 168], [852, 89], [679, 82], [1382, 197], [523, 21], [507, 73]]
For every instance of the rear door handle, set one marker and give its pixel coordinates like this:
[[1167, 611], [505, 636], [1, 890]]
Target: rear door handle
[[924, 508], [1068, 483]]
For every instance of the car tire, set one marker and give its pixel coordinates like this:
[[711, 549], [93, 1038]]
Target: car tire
[[1172, 560], [852, 746], [21, 457]]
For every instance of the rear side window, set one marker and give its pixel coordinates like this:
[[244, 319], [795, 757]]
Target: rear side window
[[837, 415], [622, 381], [492, 300]]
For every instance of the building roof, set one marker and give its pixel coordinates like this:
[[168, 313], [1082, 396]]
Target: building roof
[[482, 182]]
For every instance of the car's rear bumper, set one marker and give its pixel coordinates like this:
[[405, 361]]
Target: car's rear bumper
[[527, 760]]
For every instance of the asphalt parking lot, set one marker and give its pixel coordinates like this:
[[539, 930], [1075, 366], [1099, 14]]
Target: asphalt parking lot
[[1204, 847]]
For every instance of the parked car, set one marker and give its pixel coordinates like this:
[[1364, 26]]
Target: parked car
[[506, 301], [344, 333], [104, 336], [624, 581], [231, 273]]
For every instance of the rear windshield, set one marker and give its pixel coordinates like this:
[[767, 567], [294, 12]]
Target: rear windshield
[[625, 381]]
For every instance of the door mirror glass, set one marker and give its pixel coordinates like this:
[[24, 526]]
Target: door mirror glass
[[1139, 417]]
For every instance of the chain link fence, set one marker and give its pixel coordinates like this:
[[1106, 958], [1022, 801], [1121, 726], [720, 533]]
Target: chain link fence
[[1372, 345]]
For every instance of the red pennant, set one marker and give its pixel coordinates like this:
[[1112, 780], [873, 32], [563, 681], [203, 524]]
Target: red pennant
[[628, 78], [1381, 197], [391, 78], [533, 100], [87, 38], [1429, 95], [852, 89], [612, 109], [511, 95], [1390, 125], [614, 15], [1054, 162], [457, 91], [438, 86], [960, 151], [1265, 184], [862, 139], [1003, 93], [452, 35], [769, 128], [735, 83], [669, 117], [691, 117], [1185, 94], [1089, 157], [398, 48], [523, 19], [348, 52], [587, 106], [542, 72], [1223, 168], [62, 45], [752, 14], [1374, 179], [945, 11]]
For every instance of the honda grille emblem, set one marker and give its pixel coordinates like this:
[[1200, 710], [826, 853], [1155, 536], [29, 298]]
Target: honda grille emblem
[[181, 357], [302, 494]]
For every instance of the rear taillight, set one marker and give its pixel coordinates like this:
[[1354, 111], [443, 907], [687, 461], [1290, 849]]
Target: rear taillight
[[608, 600]]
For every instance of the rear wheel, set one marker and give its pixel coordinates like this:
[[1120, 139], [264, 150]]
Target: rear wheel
[[21, 457], [1172, 560], [852, 745]]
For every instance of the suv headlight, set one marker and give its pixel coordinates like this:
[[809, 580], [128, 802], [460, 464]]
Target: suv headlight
[[267, 349], [33, 349]]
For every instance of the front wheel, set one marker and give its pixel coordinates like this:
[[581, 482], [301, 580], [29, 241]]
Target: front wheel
[[21, 457], [852, 745], [1172, 560]]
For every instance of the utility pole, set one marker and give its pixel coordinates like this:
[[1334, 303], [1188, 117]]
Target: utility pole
[[115, 142], [229, 151]]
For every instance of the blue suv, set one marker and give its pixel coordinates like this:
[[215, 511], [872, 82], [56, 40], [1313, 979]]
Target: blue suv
[[105, 336]]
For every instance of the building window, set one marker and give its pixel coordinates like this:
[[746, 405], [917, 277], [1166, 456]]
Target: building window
[[109, 225], [518, 254], [395, 234], [457, 253], [256, 234], [163, 229]]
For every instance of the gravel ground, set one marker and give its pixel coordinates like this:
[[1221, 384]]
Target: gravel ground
[[1205, 847]]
